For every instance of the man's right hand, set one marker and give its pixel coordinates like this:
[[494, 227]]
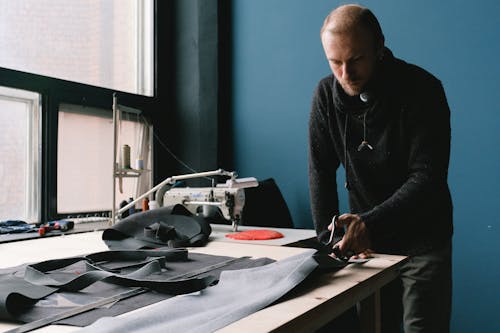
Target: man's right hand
[[356, 238]]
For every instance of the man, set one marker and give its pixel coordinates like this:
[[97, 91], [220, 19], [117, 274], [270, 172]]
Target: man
[[388, 123]]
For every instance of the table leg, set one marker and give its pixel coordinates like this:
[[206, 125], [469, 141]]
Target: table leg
[[369, 313]]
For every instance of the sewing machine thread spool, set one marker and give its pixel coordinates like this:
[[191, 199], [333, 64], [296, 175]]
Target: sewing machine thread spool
[[139, 164], [125, 157], [153, 205]]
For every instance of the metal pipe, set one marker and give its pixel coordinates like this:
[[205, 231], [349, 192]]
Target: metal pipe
[[115, 139], [173, 179], [205, 203]]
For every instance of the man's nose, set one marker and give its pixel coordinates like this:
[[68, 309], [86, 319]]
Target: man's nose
[[347, 71]]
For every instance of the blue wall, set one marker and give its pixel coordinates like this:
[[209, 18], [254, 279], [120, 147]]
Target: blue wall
[[277, 61]]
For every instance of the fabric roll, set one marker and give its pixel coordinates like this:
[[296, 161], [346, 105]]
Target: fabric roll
[[238, 294]]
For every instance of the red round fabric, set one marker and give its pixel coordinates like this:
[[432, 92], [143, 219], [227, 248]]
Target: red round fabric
[[261, 234]]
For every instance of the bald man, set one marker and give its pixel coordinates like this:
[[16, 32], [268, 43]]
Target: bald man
[[387, 123]]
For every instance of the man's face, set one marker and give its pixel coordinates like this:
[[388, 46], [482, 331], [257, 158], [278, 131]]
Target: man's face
[[353, 57]]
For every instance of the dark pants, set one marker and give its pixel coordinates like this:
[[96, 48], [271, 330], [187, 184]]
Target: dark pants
[[419, 301], [421, 297]]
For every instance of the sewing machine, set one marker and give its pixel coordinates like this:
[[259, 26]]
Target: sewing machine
[[228, 197]]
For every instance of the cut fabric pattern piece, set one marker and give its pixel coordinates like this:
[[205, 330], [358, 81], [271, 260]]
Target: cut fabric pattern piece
[[218, 306], [262, 234], [172, 226], [39, 290]]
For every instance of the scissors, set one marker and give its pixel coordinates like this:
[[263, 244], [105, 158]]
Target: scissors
[[334, 220], [336, 248]]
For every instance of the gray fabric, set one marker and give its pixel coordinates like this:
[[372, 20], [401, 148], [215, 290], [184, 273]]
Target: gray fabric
[[238, 294]]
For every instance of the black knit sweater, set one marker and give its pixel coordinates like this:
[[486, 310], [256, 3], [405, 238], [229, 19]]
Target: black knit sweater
[[400, 187]]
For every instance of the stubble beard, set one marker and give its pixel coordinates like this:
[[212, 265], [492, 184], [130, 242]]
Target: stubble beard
[[350, 89]]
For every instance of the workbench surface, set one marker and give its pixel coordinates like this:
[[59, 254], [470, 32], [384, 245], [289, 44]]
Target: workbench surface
[[307, 308]]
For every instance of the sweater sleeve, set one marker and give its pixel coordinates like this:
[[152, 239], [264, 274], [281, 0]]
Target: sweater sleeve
[[428, 124], [323, 164]]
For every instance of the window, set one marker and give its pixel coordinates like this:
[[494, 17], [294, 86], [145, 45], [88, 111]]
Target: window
[[20, 155], [56, 56], [85, 158], [102, 43]]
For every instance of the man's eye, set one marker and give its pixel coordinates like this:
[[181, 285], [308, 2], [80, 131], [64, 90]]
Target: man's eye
[[357, 59]]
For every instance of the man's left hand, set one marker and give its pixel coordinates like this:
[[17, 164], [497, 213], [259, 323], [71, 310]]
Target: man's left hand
[[356, 238]]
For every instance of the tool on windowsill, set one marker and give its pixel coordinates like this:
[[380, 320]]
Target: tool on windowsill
[[61, 225]]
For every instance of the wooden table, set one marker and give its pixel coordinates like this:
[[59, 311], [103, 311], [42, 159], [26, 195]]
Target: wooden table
[[307, 308]]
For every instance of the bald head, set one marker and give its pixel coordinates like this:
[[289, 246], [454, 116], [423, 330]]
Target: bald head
[[354, 46], [347, 18]]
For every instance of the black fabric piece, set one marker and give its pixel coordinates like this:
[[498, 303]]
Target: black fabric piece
[[22, 288], [36, 273], [171, 226], [160, 231], [197, 260], [25, 301], [265, 206], [137, 278], [326, 263], [17, 295]]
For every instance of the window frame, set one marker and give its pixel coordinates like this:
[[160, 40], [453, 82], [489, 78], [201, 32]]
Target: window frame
[[33, 154], [94, 97], [167, 106], [128, 115], [54, 91]]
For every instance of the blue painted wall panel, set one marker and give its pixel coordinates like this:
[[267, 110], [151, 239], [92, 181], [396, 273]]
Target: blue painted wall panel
[[278, 59]]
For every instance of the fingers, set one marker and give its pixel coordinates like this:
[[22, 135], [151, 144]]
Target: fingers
[[349, 239], [340, 243], [344, 244], [366, 254], [356, 238], [363, 255], [346, 219]]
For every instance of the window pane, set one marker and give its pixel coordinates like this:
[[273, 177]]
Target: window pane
[[103, 43], [85, 158], [19, 155]]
